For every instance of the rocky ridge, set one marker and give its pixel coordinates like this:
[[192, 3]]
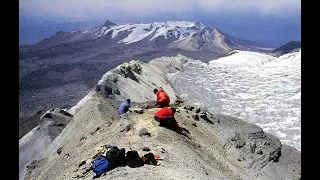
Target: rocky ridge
[[214, 146]]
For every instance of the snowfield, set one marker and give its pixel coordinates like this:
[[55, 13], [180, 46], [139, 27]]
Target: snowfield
[[179, 29], [255, 87]]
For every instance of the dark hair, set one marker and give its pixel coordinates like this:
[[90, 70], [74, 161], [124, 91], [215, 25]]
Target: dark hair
[[155, 90], [128, 100], [173, 110]]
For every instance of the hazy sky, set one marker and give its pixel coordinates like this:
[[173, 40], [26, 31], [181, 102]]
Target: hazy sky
[[258, 18]]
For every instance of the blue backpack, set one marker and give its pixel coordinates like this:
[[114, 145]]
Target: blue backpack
[[100, 165]]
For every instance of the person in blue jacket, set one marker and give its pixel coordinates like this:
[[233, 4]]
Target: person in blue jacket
[[124, 107]]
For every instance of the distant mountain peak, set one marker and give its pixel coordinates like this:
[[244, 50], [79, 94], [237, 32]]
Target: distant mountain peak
[[109, 23], [288, 47], [199, 24]]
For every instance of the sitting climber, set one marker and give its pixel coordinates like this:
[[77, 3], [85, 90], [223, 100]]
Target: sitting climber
[[124, 107], [163, 99], [165, 117]]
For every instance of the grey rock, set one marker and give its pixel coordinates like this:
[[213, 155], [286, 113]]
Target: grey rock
[[145, 149], [195, 117], [97, 129], [188, 107], [138, 110], [204, 117], [240, 143], [33, 164], [59, 150], [259, 151], [47, 115], [144, 132], [253, 147], [274, 155], [127, 127]]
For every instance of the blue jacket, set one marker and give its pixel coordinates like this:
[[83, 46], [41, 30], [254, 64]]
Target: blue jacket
[[124, 107]]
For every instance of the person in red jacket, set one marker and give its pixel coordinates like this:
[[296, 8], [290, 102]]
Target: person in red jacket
[[163, 99], [165, 117]]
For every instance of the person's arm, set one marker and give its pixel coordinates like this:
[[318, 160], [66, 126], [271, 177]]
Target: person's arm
[[157, 101], [126, 108]]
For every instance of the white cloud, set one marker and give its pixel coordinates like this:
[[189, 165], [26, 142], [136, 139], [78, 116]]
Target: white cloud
[[141, 8]]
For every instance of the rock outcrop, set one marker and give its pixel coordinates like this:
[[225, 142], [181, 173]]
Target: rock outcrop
[[136, 80]]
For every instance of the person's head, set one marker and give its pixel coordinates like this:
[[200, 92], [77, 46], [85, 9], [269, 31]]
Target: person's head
[[155, 91], [128, 100], [173, 110]]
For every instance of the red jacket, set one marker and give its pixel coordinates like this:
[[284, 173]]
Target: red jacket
[[162, 97], [164, 113]]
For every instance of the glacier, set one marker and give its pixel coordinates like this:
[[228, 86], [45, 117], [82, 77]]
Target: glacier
[[256, 87], [142, 31]]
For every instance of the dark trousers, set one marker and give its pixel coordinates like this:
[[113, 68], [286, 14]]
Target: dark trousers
[[161, 105], [169, 123]]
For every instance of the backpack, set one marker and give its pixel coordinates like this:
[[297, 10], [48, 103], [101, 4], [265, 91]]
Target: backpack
[[133, 159], [100, 165], [149, 159], [116, 157]]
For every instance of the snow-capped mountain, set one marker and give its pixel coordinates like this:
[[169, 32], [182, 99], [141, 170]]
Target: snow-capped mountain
[[192, 36], [177, 30], [259, 88], [186, 35]]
